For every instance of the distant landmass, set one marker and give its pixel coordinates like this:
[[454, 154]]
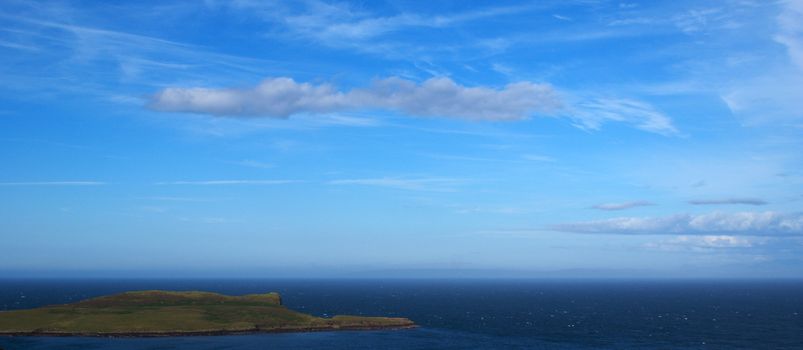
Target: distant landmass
[[167, 313]]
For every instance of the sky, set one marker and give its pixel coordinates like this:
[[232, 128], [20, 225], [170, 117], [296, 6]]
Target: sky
[[586, 138]]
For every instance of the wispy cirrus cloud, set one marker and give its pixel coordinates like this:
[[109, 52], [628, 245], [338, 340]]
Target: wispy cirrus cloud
[[561, 17], [790, 23], [752, 83], [229, 182], [342, 120], [54, 183], [745, 201], [253, 164], [177, 199], [622, 205], [716, 223], [592, 113], [85, 56], [436, 184], [538, 158], [343, 25], [764, 97]]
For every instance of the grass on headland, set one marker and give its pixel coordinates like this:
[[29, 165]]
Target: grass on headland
[[163, 312]]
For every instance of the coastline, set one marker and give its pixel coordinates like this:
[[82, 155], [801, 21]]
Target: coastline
[[206, 333]]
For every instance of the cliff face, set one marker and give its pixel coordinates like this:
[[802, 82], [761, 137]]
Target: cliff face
[[154, 313]]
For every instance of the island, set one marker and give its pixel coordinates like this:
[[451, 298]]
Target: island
[[170, 313]]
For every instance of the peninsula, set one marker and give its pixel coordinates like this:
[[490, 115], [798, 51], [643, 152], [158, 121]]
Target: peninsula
[[166, 313]]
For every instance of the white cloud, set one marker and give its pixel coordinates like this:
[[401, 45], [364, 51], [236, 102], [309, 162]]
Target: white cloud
[[746, 201], [743, 223], [441, 97], [275, 97], [435, 97], [622, 206]]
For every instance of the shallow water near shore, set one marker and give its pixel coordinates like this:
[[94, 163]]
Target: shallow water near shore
[[459, 314]]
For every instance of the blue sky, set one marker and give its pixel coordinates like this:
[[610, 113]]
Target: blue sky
[[402, 138]]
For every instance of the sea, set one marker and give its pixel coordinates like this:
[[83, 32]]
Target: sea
[[470, 313]]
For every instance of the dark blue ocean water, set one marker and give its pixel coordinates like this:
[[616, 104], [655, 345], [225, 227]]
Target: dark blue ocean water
[[472, 314]]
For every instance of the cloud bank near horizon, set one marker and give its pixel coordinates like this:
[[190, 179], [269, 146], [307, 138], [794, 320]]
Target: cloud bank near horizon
[[736, 224], [622, 206], [745, 201]]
